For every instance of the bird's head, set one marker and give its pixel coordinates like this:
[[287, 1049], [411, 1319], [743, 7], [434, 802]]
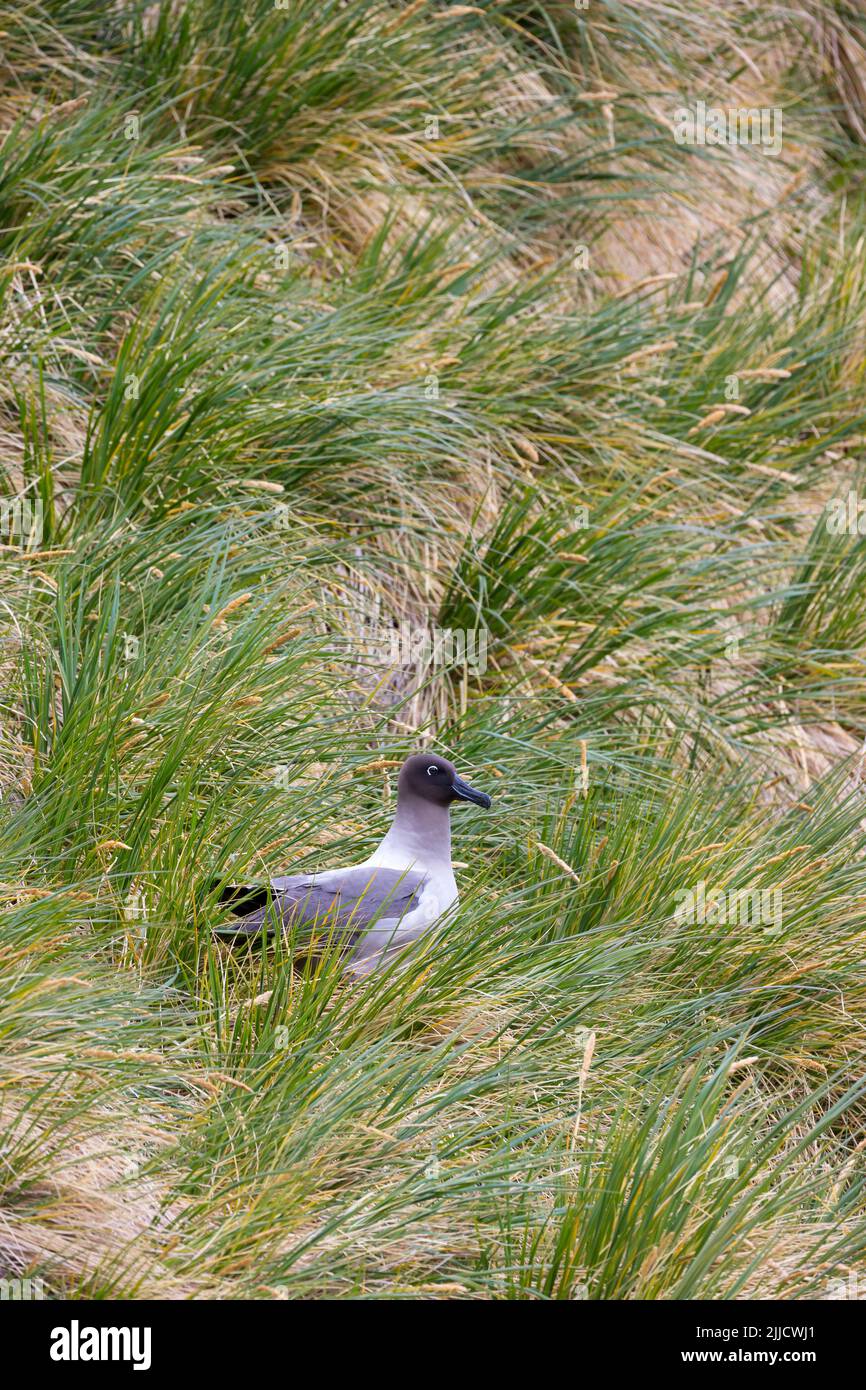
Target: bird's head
[[431, 778]]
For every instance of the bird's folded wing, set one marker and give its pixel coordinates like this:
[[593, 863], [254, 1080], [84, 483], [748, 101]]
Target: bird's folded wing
[[347, 901]]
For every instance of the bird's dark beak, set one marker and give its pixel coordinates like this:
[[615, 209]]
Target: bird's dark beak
[[463, 792]]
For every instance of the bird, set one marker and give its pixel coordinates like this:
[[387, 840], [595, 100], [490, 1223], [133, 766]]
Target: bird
[[377, 908]]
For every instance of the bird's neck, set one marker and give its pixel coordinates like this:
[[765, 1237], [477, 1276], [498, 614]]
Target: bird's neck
[[420, 835]]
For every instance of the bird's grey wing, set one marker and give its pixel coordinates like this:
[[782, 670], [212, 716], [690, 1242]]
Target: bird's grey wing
[[346, 901]]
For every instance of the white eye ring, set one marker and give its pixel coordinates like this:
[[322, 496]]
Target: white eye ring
[[432, 770]]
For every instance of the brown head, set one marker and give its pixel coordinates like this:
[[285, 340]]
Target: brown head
[[434, 779]]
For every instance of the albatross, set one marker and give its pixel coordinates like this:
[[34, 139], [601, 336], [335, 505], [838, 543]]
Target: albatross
[[380, 906]]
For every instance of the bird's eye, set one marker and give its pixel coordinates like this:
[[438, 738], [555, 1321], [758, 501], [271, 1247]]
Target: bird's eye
[[432, 770]]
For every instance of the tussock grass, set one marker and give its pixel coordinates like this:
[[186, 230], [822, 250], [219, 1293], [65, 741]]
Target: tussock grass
[[320, 320]]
